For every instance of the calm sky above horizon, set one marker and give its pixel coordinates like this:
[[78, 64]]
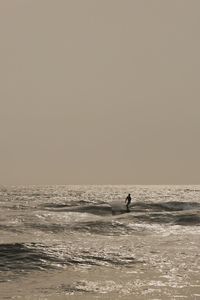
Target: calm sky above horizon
[[99, 92]]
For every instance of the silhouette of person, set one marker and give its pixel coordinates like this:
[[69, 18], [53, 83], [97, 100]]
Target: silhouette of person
[[128, 201]]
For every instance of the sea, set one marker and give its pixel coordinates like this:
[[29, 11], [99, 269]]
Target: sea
[[80, 242]]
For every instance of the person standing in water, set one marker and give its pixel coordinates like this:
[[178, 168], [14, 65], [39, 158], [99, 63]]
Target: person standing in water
[[128, 201]]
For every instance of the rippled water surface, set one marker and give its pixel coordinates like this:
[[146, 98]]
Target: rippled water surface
[[79, 242]]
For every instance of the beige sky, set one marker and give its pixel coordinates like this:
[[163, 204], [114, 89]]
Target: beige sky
[[99, 92]]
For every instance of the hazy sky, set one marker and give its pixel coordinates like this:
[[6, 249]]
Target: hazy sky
[[99, 91]]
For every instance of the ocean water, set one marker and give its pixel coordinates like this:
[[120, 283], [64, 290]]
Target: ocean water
[[78, 242]]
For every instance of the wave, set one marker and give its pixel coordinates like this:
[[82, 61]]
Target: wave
[[107, 227], [172, 218], [122, 224], [104, 221], [110, 223], [112, 207], [160, 212], [165, 206], [11, 228], [21, 258], [188, 219], [99, 209]]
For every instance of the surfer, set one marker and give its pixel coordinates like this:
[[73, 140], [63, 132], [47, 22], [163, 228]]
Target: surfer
[[128, 201]]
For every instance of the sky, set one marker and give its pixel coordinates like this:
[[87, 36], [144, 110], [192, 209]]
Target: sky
[[99, 92]]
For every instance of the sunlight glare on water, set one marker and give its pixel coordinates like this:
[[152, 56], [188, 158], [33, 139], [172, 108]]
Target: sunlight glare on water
[[80, 242]]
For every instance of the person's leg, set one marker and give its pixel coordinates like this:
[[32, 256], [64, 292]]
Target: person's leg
[[127, 207]]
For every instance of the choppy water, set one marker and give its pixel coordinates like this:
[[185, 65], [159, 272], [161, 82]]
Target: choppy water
[[78, 242]]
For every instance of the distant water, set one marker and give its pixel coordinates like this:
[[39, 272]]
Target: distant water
[[78, 242]]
